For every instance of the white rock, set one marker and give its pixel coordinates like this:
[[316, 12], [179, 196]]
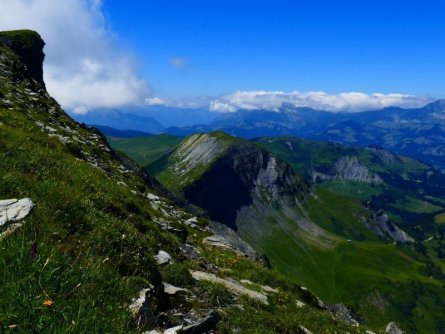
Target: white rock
[[267, 288], [172, 290], [300, 304], [232, 286], [305, 330], [13, 210], [152, 197], [173, 330], [163, 258], [138, 302], [192, 222], [393, 328]]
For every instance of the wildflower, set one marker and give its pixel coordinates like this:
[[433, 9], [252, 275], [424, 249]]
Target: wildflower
[[48, 302]]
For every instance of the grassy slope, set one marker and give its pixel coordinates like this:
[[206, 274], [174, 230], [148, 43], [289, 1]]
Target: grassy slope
[[144, 150], [382, 281], [95, 236]]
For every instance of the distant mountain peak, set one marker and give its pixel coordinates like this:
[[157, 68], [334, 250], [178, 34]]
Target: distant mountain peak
[[436, 106]]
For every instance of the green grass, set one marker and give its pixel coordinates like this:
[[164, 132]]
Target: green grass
[[440, 218], [145, 150], [352, 272], [358, 190], [417, 206]]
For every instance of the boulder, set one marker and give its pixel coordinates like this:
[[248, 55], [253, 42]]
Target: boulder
[[163, 258], [13, 210]]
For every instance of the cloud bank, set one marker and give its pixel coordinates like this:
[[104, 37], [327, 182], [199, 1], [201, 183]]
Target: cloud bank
[[83, 68], [347, 102]]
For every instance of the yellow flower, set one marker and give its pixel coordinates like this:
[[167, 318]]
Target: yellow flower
[[48, 302]]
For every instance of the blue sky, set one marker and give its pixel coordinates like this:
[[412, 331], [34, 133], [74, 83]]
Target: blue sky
[[333, 46], [227, 55]]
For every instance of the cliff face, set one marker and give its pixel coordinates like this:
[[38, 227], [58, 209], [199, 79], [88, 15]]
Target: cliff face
[[351, 169], [28, 45], [224, 175]]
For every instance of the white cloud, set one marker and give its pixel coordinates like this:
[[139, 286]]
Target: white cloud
[[349, 102], [83, 68], [154, 101]]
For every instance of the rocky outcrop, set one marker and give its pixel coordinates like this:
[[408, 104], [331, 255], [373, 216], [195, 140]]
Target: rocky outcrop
[[383, 226], [351, 169], [28, 45], [227, 238]]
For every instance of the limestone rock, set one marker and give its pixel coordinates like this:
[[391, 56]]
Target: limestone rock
[[386, 227], [140, 308], [163, 258], [305, 330], [233, 287], [393, 328], [13, 210], [173, 290], [174, 330], [300, 304], [192, 222]]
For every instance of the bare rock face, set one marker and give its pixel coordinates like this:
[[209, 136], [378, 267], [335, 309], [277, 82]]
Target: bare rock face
[[386, 227], [28, 45], [349, 168]]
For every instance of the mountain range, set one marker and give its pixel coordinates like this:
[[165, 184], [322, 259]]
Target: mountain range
[[417, 132]]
